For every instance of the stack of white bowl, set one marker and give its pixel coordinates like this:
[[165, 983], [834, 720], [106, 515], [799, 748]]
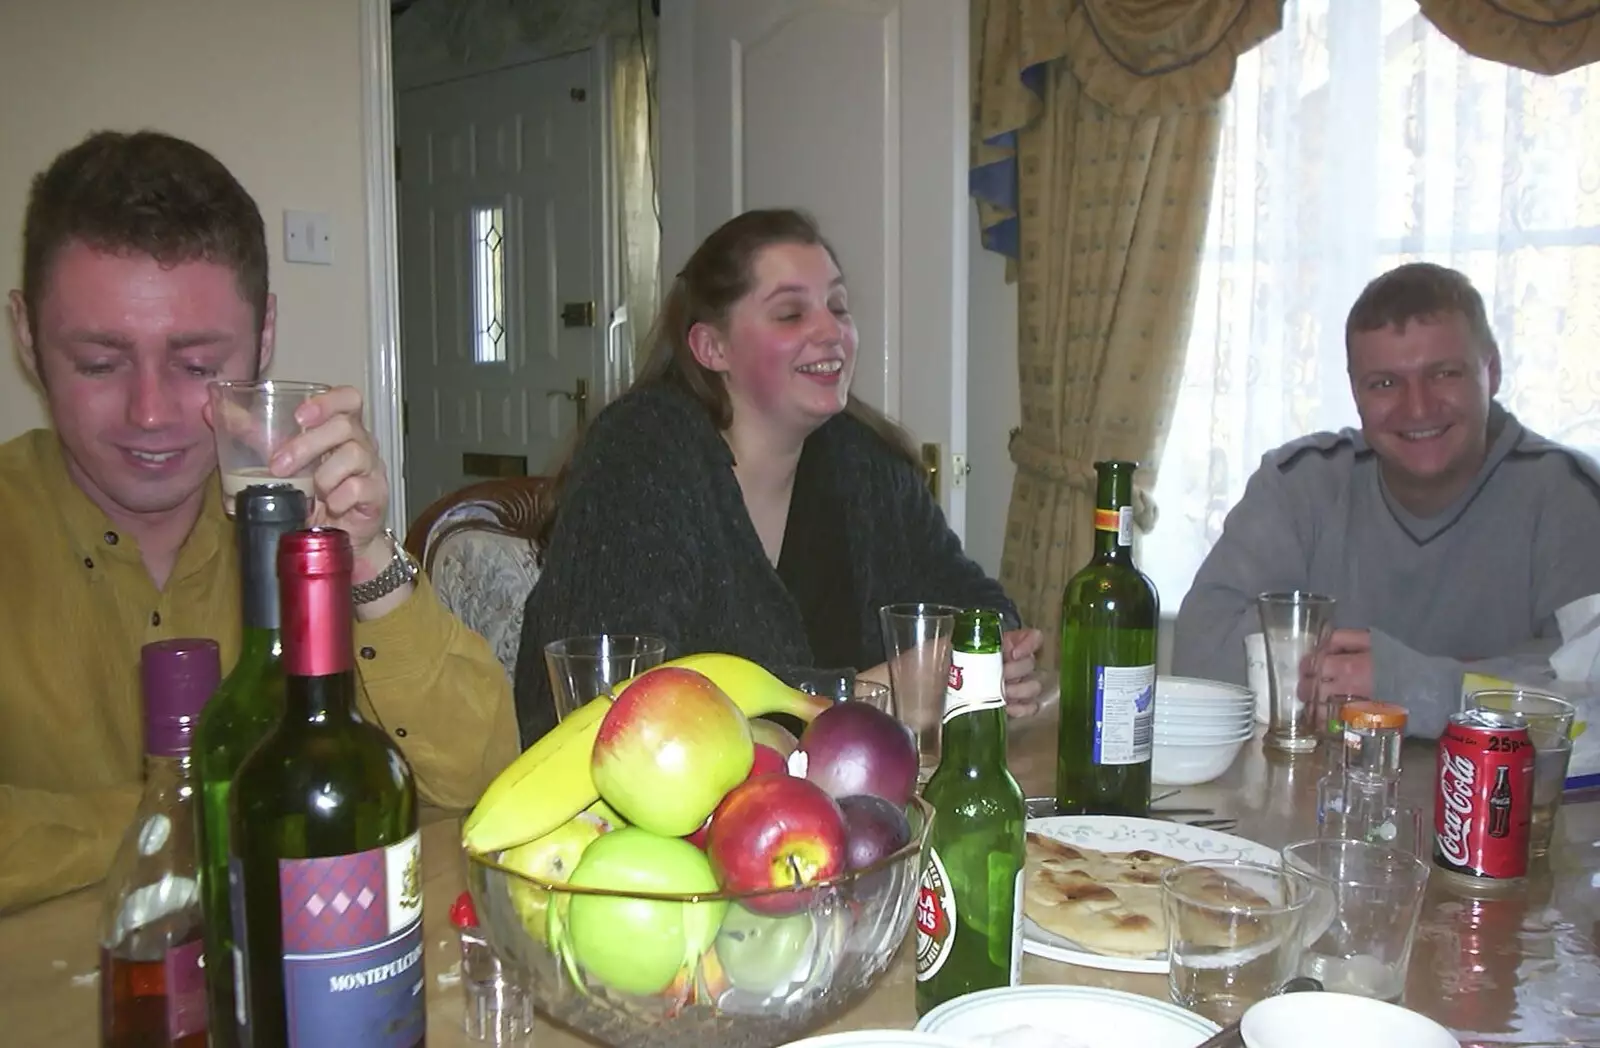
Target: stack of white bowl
[[1200, 727]]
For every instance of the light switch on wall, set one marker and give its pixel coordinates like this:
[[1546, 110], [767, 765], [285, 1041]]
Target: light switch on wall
[[308, 237]]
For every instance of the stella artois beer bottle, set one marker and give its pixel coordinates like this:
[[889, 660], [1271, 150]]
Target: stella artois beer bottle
[[969, 907]]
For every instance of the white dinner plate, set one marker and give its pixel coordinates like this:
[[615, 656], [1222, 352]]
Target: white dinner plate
[[1075, 1016], [1116, 833], [877, 1039]]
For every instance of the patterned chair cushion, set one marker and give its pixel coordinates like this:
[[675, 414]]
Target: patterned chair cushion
[[484, 578]]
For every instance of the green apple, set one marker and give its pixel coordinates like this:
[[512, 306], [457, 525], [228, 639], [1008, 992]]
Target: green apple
[[761, 954], [638, 945], [552, 859], [669, 748]]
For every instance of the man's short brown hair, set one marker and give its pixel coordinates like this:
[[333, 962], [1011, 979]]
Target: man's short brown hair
[[143, 193], [1420, 291]]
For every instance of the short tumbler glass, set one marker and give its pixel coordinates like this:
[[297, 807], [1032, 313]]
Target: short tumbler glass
[[1549, 720], [498, 1005], [1360, 928], [1234, 933]]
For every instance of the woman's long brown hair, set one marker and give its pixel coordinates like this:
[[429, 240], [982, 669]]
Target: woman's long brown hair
[[719, 273]]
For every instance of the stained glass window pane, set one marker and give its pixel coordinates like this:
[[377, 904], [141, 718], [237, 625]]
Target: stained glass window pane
[[488, 285]]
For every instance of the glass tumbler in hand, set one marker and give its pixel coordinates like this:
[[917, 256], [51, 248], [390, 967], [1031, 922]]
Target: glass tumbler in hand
[[152, 985], [252, 420]]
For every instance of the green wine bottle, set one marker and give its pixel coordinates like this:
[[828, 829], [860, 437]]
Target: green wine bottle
[[1108, 666], [245, 707], [327, 874], [969, 906]]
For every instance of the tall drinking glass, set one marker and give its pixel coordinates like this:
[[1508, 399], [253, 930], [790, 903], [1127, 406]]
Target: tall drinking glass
[[1296, 626], [1549, 720], [916, 641]]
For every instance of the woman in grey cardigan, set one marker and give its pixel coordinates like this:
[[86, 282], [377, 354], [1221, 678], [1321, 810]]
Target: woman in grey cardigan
[[738, 498]]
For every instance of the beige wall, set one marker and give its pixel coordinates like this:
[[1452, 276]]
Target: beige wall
[[992, 404], [272, 87]]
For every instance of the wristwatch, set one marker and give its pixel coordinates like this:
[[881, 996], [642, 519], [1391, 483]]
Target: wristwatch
[[402, 568]]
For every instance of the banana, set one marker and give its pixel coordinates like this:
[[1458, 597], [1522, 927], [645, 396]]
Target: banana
[[752, 688], [543, 788]]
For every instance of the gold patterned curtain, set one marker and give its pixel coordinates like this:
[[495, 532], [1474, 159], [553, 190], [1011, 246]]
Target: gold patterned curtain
[[1095, 131], [1541, 36]]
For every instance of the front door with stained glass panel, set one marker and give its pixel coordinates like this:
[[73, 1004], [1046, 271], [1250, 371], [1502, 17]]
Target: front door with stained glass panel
[[501, 250]]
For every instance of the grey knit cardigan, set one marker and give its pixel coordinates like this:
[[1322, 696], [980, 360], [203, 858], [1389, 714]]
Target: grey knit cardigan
[[652, 536]]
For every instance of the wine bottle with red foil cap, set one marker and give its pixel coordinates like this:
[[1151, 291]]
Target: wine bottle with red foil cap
[[327, 868], [152, 985]]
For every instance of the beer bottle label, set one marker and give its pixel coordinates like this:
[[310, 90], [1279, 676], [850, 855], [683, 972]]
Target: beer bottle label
[[977, 682], [936, 918], [1124, 713]]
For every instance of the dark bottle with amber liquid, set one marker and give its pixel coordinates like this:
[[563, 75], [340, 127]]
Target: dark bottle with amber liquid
[[152, 984], [327, 867], [1109, 612]]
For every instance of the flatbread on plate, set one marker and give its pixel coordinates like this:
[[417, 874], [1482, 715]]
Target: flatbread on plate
[[1110, 902]]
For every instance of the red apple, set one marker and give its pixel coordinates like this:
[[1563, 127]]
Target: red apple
[[776, 831], [670, 747], [768, 761]]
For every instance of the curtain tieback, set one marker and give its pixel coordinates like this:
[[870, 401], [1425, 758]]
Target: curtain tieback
[[1076, 473]]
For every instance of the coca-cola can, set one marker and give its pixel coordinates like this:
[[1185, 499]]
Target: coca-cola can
[[1484, 802]]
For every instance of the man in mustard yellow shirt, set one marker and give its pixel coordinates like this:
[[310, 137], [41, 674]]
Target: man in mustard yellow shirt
[[144, 278]]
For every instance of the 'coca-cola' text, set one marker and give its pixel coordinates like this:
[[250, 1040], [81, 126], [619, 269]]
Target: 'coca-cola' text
[[1457, 777]]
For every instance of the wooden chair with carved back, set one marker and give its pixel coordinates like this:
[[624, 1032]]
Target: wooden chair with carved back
[[479, 548]]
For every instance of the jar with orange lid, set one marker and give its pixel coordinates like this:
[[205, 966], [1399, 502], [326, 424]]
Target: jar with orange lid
[[1361, 800], [1372, 734]]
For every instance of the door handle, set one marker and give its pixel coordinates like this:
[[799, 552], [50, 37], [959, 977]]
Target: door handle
[[579, 397]]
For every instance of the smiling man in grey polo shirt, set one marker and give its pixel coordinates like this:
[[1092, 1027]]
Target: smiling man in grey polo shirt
[[1447, 531]]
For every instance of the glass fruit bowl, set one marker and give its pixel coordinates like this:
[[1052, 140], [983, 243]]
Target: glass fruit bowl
[[630, 969]]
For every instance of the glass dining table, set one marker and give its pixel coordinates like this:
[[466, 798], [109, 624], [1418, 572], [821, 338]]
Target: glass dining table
[[1521, 969]]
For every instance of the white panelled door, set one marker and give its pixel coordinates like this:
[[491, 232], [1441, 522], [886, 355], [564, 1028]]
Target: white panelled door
[[855, 110], [502, 268]]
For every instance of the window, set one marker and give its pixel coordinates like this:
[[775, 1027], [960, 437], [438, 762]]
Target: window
[[1358, 138], [488, 285]]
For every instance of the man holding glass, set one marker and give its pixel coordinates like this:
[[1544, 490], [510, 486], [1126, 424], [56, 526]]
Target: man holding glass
[[144, 280], [1447, 532]]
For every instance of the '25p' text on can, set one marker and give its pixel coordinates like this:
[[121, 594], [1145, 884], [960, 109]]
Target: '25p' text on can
[[1484, 801]]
